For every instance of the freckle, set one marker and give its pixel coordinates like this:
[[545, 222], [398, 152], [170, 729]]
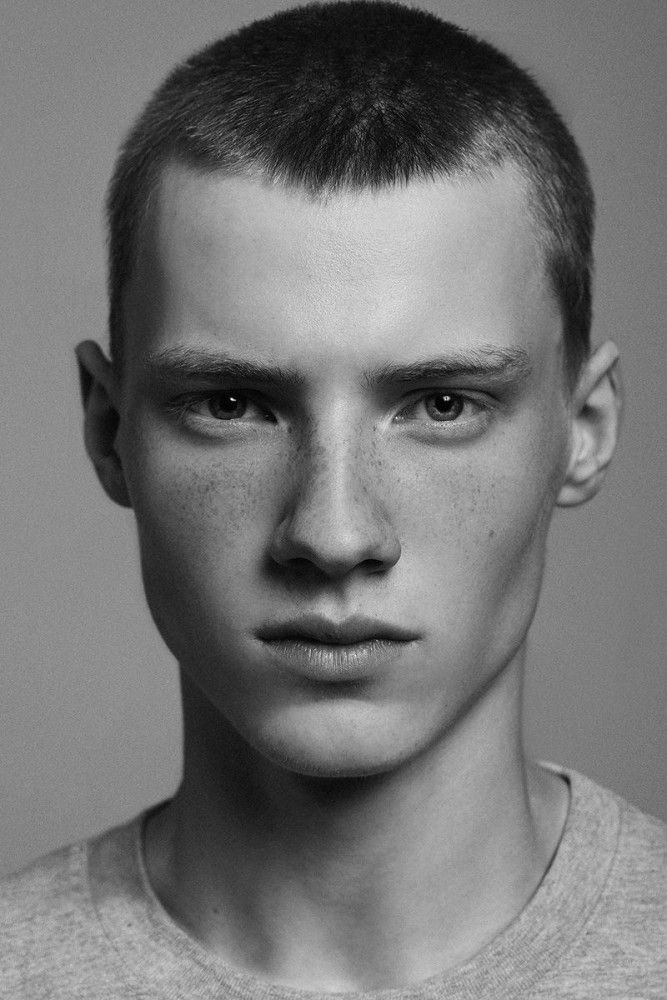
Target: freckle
[[492, 533]]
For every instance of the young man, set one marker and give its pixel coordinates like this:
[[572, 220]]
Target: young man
[[350, 378]]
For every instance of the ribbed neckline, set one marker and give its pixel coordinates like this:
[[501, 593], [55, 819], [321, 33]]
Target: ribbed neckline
[[154, 954]]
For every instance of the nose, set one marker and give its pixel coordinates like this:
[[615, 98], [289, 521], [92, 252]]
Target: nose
[[335, 519]]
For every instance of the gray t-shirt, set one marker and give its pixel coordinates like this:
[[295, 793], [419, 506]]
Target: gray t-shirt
[[84, 923]]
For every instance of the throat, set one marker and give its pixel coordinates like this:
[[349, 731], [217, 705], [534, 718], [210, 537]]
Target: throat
[[383, 891]]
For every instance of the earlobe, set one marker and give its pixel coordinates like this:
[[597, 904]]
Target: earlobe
[[595, 421], [101, 419]]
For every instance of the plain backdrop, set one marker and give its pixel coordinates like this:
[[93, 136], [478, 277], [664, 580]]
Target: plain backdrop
[[89, 717]]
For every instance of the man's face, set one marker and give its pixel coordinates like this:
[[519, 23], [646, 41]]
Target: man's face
[[332, 412]]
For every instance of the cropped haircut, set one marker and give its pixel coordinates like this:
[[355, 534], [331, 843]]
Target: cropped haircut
[[360, 95]]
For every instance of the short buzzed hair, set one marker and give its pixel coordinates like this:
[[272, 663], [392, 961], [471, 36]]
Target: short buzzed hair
[[356, 95]]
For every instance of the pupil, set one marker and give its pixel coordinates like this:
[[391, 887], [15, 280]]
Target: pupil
[[446, 406], [226, 405]]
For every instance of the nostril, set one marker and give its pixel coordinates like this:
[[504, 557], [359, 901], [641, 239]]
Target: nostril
[[334, 521], [379, 565], [334, 550]]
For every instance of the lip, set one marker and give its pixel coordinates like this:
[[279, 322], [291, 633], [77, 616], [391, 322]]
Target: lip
[[322, 650], [346, 632]]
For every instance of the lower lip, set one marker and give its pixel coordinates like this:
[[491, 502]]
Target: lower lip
[[324, 661]]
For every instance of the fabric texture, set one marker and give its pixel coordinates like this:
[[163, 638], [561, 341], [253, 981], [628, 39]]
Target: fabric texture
[[83, 922]]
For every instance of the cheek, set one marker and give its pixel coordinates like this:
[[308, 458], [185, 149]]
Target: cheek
[[202, 514], [202, 519], [473, 507], [479, 539]]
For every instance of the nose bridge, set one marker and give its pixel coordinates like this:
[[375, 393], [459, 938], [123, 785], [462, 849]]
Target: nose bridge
[[337, 509], [332, 459], [336, 518]]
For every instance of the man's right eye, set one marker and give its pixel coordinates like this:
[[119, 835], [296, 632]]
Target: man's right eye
[[221, 406]]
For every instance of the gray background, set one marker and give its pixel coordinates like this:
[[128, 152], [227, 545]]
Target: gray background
[[89, 723]]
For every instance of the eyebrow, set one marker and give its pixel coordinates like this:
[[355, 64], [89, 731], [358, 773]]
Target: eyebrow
[[194, 364], [493, 363]]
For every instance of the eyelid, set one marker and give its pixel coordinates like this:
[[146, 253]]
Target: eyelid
[[484, 404], [183, 404]]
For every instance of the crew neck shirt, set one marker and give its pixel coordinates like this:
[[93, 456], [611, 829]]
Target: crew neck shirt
[[84, 922]]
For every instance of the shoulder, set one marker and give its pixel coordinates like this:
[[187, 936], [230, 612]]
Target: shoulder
[[636, 892], [38, 907], [622, 948], [51, 938], [636, 842], [642, 838], [45, 892]]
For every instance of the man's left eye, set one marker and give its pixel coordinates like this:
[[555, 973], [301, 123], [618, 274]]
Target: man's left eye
[[443, 407], [225, 406]]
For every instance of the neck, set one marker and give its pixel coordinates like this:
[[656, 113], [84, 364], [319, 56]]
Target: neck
[[363, 883]]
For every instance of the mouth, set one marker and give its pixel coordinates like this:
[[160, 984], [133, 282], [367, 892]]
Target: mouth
[[325, 650], [325, 631]]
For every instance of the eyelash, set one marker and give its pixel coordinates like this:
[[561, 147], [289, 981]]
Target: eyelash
[[185, 406], [465, 401]]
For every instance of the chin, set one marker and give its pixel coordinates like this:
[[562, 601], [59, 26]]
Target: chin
[[357, 743]]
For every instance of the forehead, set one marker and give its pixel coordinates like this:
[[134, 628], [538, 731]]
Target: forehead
[[276, 271]]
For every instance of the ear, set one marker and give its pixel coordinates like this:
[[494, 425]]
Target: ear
[[99, 395], [596, 407]]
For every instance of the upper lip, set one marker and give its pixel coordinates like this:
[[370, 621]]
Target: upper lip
[[318, 628]]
